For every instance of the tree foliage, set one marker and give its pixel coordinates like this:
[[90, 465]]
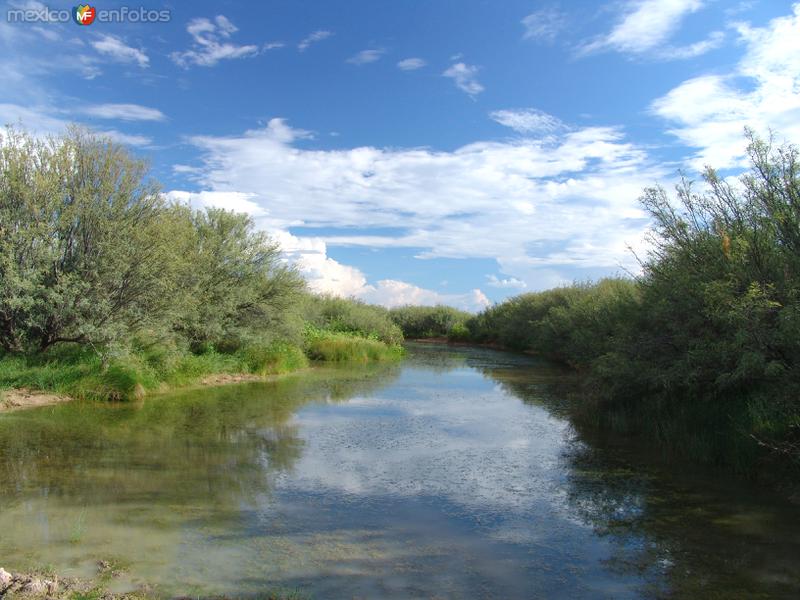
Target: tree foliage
[[91, 253], [429, 321]]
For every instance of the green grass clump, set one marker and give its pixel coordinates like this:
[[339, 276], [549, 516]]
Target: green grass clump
[[274, 358], [342, 347]]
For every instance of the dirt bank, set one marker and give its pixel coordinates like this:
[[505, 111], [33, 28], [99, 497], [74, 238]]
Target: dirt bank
[[22, 398]]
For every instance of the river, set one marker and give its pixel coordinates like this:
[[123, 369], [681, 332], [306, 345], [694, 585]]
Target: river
[[453, 474]]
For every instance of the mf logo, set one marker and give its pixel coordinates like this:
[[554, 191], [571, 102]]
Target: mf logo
[[83, 14]]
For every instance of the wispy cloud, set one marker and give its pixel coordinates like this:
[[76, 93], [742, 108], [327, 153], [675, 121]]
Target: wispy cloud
[[527, 120], [710, 112], [713, 41], [210, 45], [645, 27], [411, 64], [544, 25], [465, 77], [313, 38], [46, 120], [366, 56], [125, 112], [126, 138], [511, 283], [116, 49]]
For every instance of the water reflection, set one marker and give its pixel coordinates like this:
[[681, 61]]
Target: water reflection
[[455, 474]]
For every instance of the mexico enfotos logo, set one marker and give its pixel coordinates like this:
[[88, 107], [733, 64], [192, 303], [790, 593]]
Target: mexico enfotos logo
[[86, 14]]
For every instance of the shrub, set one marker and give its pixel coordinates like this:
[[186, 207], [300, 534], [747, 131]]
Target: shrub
[[351, 316], [428, 321], [277, 357], [342, 347]]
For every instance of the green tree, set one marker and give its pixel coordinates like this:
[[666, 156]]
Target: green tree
[[237, 283], [87, 245]]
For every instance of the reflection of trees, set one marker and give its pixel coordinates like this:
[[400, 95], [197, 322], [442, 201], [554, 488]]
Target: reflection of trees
[[435, 357], [223, 444], [687, 534]]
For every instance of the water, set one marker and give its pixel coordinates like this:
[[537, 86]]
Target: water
[[454, 474]]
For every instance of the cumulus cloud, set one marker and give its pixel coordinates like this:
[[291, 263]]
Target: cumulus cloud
[[546, 209], [116, 49], [544, 25], [366, 56], [328, 276], [528, 120], [392, 293], [235, 201], [210, 43], [465, 77], [411, 64], [710, 112], [324, 275], [313, 38], [646, 26], [125, 112]]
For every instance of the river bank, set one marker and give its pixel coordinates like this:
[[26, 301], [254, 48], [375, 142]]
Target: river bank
[[47, 585], [27, 381]]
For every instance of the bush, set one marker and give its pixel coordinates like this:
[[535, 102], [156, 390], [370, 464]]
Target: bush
[[342, 347], [344, 315], [274, 358], [459, 333], [428, 321]]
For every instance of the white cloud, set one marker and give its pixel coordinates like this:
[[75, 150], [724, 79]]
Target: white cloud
[[328, 276], [527, 120], [126, 138], [210, 45], [125, 112], [710, 112], [39, 120], [235, 201], [465, 77], [411, 64], [508, 283], [325, 275], [366, 56], [544, 209], [392, 293], [313, 38], [46, 120], [116, 49], [714, 40], [544, 24], [647, 25]]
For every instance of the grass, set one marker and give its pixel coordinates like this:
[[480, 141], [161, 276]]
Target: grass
[[343, 347], [78, 529], [143, 369]]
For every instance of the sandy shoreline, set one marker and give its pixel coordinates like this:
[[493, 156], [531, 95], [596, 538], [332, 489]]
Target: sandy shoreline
[[24, 398]]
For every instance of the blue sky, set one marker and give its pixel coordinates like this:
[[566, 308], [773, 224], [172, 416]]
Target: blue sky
[[422, 152]]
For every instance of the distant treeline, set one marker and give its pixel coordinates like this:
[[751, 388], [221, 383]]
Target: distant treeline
[[700, 353], [107, 289]]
